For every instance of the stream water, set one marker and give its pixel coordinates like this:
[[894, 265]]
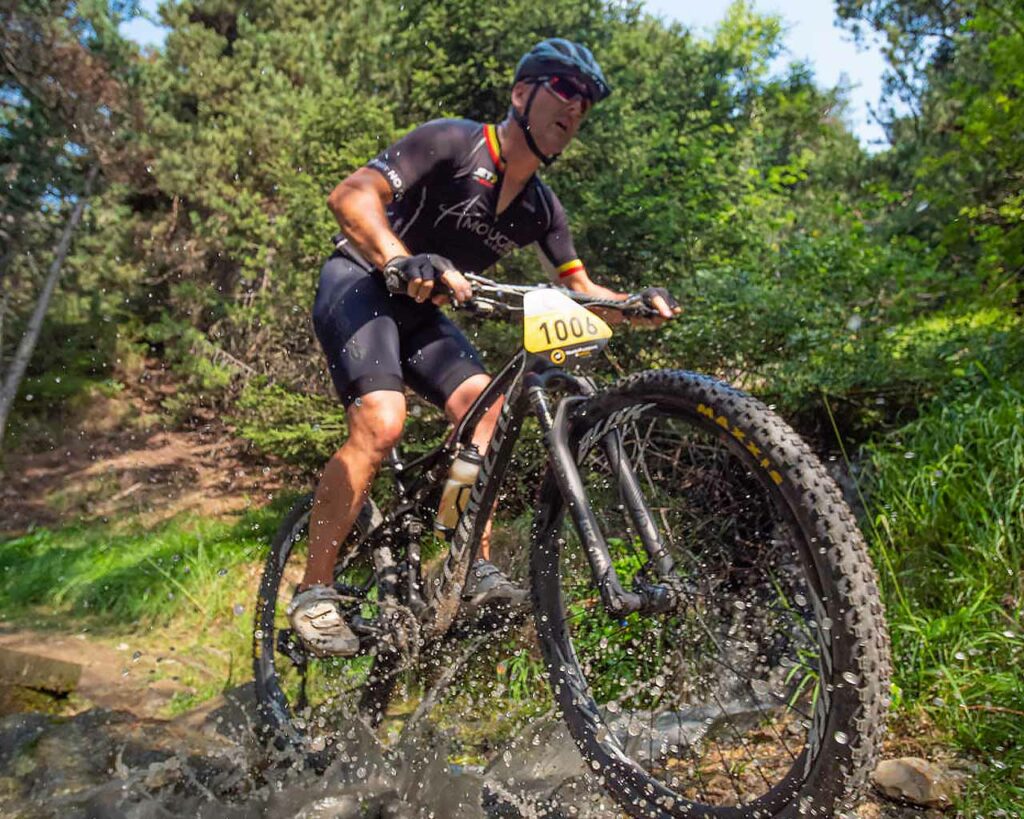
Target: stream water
[[105, 764]]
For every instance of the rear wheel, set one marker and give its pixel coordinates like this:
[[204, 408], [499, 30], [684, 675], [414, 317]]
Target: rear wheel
[[301, 697], [763, 692]]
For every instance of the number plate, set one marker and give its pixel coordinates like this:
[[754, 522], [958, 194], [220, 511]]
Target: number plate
[[557, 326]]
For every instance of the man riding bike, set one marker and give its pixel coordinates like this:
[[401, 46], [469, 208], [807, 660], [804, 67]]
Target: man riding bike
[[452, 195]]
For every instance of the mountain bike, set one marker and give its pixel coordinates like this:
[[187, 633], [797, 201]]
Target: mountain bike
[[704, 601]]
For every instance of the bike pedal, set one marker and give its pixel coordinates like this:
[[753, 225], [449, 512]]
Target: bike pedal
[[290, 646]]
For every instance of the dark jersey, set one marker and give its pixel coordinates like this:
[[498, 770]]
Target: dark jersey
[[446, 177]]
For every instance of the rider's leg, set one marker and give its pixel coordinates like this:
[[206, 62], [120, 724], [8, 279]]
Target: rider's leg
[[455, 408], [375, 425]]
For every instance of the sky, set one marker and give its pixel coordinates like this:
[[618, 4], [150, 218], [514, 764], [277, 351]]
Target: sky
[[811, 35]]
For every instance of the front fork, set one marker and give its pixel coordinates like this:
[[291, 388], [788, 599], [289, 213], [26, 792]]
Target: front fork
[[645, 598]]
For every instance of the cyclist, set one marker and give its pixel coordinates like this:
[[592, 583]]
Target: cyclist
[[452, 195]]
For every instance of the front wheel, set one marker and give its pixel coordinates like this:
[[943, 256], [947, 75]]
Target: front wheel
[[763, 692]]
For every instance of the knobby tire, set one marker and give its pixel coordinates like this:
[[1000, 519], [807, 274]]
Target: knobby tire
[[725, 449]]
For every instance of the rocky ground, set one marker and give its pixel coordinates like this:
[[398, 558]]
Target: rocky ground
[[111, 763]]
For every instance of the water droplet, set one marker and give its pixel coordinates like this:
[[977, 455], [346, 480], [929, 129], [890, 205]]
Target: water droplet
[[841, 738], [238, 608], [851, 678], [799, 600]]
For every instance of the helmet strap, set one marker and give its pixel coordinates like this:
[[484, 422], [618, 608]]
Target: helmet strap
[[523, 120]]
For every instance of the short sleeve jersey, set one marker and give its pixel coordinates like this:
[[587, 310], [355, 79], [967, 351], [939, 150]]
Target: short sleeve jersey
[[446, 177]]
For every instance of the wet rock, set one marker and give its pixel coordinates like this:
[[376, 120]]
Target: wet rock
[[18, 731], [41, 673], [916, 781]]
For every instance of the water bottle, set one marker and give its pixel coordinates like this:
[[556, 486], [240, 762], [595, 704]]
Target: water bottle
[[457, 489]]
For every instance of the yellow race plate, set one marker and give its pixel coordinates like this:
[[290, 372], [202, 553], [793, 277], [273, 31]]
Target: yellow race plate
[[556, 325]]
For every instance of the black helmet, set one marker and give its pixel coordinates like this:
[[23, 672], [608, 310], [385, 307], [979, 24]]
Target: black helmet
[[556, 56]]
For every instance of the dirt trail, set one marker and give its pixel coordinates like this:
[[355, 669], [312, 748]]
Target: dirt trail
[[121, 459], [115, 677]]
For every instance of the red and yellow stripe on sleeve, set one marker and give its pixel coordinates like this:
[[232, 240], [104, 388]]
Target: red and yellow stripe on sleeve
[[493, 146], [567, 269]]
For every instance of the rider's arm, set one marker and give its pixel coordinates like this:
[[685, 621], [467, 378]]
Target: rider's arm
[[558, 256], [358, 203], [573, 275]]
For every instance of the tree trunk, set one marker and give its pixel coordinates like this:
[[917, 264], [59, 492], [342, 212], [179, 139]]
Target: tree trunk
[[12, 379]]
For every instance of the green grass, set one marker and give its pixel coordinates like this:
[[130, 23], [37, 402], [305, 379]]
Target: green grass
[[125, 573], [947, 494], [185, 588]]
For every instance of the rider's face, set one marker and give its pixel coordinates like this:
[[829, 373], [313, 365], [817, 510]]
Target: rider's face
[[557, 112]]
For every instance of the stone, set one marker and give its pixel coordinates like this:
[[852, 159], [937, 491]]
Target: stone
[[916, 781], [41, 673]]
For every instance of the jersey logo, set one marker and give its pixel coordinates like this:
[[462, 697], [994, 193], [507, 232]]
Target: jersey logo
[[485, 177], [390, 173], [470, 215]]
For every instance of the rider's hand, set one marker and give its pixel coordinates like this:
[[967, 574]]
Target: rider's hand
[[457, 286], [657, 298], [416, 276]]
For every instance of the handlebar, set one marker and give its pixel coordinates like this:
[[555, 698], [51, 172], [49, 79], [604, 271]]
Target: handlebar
[[491, 298]]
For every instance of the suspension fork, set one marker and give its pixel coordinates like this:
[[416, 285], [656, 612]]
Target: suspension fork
[[646, 598], [633, 499]]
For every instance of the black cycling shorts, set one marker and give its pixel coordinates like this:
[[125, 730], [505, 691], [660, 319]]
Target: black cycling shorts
[[376, 341]]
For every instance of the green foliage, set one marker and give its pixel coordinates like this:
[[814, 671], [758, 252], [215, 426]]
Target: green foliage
[[299, 428], [953, 174], [948, 525]]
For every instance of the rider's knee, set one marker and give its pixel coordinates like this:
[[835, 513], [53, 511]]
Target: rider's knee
[[377, 421]]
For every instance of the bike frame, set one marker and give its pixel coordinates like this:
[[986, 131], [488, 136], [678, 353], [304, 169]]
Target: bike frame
[[526, 383]]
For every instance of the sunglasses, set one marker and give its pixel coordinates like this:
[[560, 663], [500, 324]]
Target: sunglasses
[[569, 90]]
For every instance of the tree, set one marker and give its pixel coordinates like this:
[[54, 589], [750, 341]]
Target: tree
[[64, 108], [957, 166]]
